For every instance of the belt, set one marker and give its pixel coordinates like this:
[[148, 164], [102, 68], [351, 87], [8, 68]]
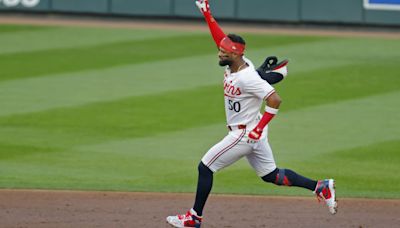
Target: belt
[[240, 126]]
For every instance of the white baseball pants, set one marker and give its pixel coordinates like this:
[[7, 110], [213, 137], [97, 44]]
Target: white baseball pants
[[235, 146]]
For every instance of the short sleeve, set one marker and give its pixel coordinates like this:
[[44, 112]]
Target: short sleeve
[[258, 87]]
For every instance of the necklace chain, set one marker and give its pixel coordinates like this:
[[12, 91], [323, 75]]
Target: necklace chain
[[241, 66]]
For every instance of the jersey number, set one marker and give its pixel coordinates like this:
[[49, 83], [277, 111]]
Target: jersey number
[[235, 106]]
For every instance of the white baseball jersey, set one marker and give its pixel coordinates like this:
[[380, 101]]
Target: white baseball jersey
[[244, 93]]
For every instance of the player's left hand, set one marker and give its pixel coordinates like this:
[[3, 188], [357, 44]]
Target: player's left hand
[[272, 71], [203, 5], [255, 134]]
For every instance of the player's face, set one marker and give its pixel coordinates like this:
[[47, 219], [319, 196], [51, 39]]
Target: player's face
[[225, 58]]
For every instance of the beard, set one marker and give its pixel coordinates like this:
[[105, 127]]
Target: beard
[[225, 62]]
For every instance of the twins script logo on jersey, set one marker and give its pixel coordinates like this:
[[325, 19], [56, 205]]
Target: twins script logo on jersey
[[231, 90]]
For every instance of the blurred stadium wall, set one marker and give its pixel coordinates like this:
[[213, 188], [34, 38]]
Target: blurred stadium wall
[[357, 12]]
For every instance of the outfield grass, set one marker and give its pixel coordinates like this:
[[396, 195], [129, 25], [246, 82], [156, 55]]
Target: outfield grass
[[135, 110]]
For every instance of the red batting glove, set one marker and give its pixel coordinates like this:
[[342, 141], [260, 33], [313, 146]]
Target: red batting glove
[[255, 134]]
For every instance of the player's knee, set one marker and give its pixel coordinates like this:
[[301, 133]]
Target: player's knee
[[278, 177], [270, 177], [204, 170]]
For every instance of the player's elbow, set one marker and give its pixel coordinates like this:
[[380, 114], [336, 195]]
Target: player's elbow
[[274, 101], [278, 99]]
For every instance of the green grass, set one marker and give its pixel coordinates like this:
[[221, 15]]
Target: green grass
[[63, 60], [21, 28], [129, 117], [337, 84], [135, 110], [374, 166]]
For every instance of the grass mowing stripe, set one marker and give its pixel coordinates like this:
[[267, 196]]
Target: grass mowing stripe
[[42, 138], [6, 29], [130, 117], [331, 85], [66, 90], [361, 173], [127, 168], [14, 151], [197, 141], [336, 126], [54, 61], [306, 57], [33, 64], [70, 37]]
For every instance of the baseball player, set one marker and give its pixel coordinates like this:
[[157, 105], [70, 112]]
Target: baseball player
[[244, 93]]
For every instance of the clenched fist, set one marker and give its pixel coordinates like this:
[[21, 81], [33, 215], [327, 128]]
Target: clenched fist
[[255, 134], [203, 5]]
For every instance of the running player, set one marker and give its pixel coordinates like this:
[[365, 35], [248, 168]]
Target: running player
[[244, 93]]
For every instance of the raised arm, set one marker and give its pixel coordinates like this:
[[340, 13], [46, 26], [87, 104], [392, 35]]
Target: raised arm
[[215, 30]]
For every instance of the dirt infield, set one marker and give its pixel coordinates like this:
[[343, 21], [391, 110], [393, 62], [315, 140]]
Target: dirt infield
[[39, 208]]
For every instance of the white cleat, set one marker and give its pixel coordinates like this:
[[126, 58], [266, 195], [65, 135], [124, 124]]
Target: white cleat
[[326, 190], [190, 219]]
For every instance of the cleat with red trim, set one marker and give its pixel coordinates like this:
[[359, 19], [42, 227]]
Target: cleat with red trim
[[190, 219], [325, 190]]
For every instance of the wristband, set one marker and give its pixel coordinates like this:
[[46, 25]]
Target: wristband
[[271, 110], [268, 115]]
